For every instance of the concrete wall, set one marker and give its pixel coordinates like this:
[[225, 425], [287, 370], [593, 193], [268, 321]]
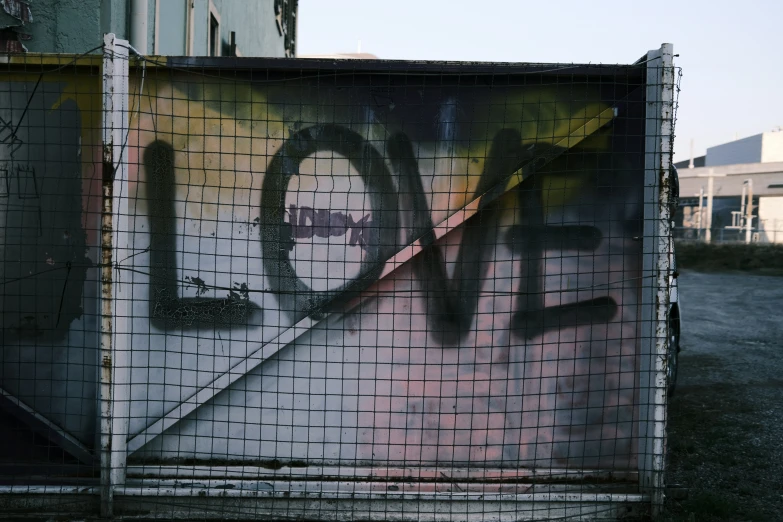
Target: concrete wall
[[771, 218], [71, 26], [772, 147], [253, 22]]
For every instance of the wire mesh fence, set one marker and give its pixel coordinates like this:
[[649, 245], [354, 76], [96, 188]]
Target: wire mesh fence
[[335, 290], [50, 208]]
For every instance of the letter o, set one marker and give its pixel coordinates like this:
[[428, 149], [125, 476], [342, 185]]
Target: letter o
[[295, 297]]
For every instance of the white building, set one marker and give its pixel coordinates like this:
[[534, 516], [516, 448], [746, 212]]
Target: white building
[[761, 148], [749, 165]]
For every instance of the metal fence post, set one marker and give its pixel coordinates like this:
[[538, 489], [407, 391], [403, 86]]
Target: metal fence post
[[656, 265], [710, 190], [115, 95]]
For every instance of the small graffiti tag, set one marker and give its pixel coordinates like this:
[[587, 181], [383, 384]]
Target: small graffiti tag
[[309, 222], [8, 137]]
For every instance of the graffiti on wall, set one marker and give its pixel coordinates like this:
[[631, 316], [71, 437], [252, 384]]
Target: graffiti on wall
[[43, 238], [49, 157], [510, 340], [259, 206], [452, 303]]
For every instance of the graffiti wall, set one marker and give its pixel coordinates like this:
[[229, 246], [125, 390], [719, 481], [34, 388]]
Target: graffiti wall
[[340, 269], [49, 218], [334, 267]]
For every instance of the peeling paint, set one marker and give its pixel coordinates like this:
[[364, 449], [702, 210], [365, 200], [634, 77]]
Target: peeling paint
[[10, 42], [18, 9]]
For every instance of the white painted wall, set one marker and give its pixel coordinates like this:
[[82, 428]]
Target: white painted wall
[[771, 218], [772, 147]]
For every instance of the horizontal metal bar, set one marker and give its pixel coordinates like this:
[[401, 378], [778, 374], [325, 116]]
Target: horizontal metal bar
[[431, 474], [37, 62], [222, 505], [400, 495], [365, 487], [413, 67]]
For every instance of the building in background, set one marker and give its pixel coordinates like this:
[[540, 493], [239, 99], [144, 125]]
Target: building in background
[[734, 185], [761, 148], [164, 27]]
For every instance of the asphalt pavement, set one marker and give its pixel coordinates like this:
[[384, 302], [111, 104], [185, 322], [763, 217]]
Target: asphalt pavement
[[726, 418]]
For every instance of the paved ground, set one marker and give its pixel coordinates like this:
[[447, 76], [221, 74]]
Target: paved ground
[[726, 418]]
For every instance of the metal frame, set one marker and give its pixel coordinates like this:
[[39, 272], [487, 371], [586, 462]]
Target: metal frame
[[655, 274], [422, 473], [189, 504], [267, 68], [113, 363]]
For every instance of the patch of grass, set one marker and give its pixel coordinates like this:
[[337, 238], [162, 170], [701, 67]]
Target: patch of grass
[[708, 503], [763, 259]]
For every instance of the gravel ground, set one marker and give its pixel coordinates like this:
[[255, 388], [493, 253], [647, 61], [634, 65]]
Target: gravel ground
[[726, 418]]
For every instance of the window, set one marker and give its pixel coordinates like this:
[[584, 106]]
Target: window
[[214, 36], [214, 31], [173, 27]]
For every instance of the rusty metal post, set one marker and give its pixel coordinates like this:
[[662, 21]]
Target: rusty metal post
[[663, 265], [115, 94], [656, 261]]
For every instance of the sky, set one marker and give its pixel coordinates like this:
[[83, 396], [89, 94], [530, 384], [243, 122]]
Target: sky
[[731, 53]]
